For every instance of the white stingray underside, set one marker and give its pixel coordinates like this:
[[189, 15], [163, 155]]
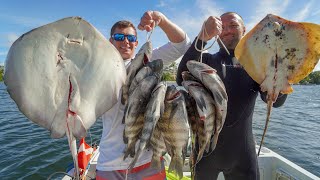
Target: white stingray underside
[[64, 71]]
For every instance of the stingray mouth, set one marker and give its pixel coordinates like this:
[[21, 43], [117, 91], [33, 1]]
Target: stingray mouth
[[74, 41], [70, 41]]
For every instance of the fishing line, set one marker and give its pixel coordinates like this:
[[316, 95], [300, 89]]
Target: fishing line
[[155, 24]]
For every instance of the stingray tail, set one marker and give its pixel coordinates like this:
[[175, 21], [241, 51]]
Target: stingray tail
[[269, 106]]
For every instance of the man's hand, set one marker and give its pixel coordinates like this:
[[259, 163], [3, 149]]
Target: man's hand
[[150, 19], [211, 28]]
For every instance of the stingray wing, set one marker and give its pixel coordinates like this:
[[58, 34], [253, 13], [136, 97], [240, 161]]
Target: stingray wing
[[278, 52], [64, 71]]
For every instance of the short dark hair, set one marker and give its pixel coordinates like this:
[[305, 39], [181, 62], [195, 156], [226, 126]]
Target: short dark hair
[[227, 13], [121, 25]]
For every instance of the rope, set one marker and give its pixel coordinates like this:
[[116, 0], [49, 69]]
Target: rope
[[155, 24], [202, 46]]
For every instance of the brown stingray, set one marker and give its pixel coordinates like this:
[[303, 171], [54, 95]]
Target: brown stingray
[[277, 53]]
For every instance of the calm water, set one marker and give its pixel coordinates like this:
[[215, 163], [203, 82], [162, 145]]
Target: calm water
[[28, 152]]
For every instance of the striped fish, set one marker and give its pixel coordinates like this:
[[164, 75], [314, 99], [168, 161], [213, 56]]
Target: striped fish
[[175, 128], [154, 111]]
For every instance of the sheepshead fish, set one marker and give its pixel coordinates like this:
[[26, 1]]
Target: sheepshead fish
[[206, 111], [187, 76], [154, 111], [211, 80], [142, 58], [158, 147], [175, 129], [155, 67], [134, 117], [196, 125]]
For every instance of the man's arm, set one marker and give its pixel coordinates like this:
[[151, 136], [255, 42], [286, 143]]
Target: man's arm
[[191, 54], [179, 41], [212, 27], [152, 18]]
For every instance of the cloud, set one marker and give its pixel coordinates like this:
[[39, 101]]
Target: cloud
[[317, 68], [191, 20], [161, 4], [3, 53], [267, 7], [209, 8], [303, 13], [11, 37]]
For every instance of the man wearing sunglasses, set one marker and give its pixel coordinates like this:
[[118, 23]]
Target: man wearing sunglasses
[[124, 37]]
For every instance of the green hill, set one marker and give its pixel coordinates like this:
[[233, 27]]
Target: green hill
[[1, 73]]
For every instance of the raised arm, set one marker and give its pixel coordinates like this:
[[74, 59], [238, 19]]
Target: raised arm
[[212, 27], [178, 39], [151, 18]]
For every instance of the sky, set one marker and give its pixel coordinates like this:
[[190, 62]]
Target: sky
[[19, 17]]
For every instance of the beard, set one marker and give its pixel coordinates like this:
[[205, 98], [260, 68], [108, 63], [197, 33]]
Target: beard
[[230, 41]]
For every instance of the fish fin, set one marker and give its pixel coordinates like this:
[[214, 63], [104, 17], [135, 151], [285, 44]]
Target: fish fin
[[214, 140], [75, 122], [269, 106], [134, 160], [125, 138], [130, 150], [124, 95], [124, 115], [74, 100], [200, 153]]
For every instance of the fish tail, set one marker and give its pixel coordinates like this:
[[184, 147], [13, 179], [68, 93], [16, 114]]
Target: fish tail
[[155, 162], [125, 138], [130, 150], [176, 165], [134, 160], [215, 140], [200, 154], [269, 106]]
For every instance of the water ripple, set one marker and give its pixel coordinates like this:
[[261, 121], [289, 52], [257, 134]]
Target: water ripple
[[28, 152]]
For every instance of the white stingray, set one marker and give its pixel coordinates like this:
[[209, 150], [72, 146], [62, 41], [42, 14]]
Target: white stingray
[[63, 76]]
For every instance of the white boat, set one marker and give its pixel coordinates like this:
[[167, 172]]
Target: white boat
[[272, 166]]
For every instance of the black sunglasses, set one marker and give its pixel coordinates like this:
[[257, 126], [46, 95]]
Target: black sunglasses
[[120, 37]]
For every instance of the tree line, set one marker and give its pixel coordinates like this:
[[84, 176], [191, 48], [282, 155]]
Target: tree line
[[1, 73], [170, 75], [312, 78]]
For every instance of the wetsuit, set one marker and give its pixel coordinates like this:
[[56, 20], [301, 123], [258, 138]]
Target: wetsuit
[[235, 153]]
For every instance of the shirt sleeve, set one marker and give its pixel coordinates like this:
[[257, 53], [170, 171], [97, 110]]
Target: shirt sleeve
[[171, 51]]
